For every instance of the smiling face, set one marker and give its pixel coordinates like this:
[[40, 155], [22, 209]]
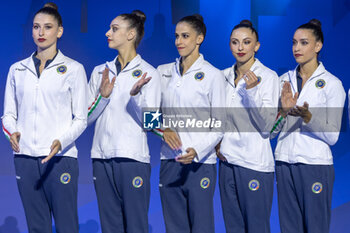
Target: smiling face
[[187, 39], [305, 46], [119, 33], [243, 44], [46, 31]]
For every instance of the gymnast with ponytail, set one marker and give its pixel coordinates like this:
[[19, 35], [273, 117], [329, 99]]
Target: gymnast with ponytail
[[312, 101], [246, 166], [119, 90], [188, 161], [45, 111]]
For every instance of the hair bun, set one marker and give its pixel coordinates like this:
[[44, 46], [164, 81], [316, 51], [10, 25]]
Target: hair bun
[[316, 22], [139, 15], [51, 5], [246, 22], [199, 17]]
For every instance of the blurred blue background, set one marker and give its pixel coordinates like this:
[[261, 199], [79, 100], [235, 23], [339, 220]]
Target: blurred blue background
[[85, 23]]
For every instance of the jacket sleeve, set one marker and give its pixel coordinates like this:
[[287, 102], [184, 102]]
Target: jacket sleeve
[[96, 103], [9, 119], [326, 121], [262, 102], [78, 89], [217, 108], [148, 99], [279, 120]]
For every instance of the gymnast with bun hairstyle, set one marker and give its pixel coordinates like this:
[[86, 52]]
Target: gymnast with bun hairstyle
[[119, 90], [246, 161], [42, 94], [188, 160], [312, 101]]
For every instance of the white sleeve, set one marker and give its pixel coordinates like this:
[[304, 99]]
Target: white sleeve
[[217, 99], [96, 102], [9, 119], [262, 104], [279, 120], [326, 121], [78, 91]]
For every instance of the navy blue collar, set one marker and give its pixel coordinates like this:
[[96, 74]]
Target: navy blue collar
[[299, 80], [37, 62], [118, 66]]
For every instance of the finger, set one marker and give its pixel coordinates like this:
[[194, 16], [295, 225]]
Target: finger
[[104, 81], [284, 85], [105, 73], [249, 72], [147, 80], [296, 95], [47, 158], [292, 112], [170, 142], [285, 88], [144, 75], [54, 144], [113, 80], [52, 153], [14, 146], [251, 75], [301, 108], [245, 78], [221, 157], [297, 112], [288, 87], [306, 105], [184, 159], [186, 156], [177, 141], [14, 143]]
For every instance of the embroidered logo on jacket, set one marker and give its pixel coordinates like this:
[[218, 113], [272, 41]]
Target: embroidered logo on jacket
[[62, 69], [254, 185], [205, 182], [65, 178], [167, 75], [320, 83], [259, 79], [199, 76], [137, 182], [317, 187], [137, 73]]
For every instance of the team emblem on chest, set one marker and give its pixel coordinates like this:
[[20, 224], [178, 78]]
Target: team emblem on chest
[[254, 185], [137, 73], [259, 79], [320, 83], [62, 69], [317, 187], [199, 76]]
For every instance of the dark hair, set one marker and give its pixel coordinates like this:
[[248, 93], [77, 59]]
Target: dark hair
[[51, 8], [197, 23], [315, 26], [246, 24], [136, 20]]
